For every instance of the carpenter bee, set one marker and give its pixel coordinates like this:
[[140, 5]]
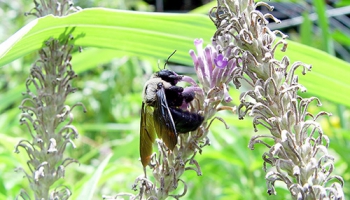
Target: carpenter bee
[[161, 112]]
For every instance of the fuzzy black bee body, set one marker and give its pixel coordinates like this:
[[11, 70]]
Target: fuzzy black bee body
[[161, 113], [185, 121]]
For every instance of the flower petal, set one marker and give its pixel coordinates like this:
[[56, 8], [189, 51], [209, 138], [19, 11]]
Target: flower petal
[[221, 61]]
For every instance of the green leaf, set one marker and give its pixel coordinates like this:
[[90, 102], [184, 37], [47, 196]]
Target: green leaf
[[341, 37], [323, 23], [329, 77], [137, 33], [306, 30], [3, 191], [204, 9], [117, 33], [90, 186]]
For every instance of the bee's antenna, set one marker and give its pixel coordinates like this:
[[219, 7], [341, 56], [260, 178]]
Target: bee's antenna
[[166, 62], [158, 65]]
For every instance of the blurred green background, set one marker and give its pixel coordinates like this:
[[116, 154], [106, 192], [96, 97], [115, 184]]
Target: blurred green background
[[111, 92]]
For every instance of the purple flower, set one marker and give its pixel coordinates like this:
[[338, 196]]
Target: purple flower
[[221, 61], [198, 43]]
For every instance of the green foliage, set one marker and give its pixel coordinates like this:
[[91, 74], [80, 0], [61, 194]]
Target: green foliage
[[131, 43], [323, 23], [156, 35]]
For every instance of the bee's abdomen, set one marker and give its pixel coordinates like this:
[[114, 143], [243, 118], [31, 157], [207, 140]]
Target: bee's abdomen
[[185, 121]]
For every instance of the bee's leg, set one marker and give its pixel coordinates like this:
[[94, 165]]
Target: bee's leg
[[174, 96], [188, 95], [175, 89], [144, 171]]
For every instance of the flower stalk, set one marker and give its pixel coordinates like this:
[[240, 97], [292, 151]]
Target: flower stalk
[[48, 120], [45, 115], [54, 7], [297, 152]]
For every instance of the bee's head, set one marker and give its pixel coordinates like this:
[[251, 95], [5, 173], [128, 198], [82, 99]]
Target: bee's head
[[169, 76]]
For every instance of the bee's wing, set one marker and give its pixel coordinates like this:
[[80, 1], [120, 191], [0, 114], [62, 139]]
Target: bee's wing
[[163, 121], [147, 135]]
